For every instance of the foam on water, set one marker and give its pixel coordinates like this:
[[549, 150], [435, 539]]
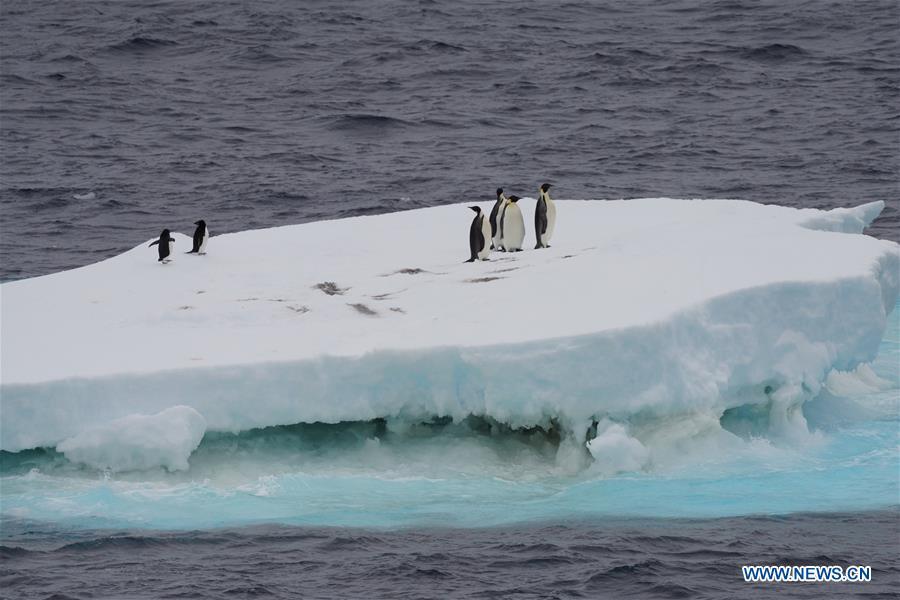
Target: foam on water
[[377, 474]]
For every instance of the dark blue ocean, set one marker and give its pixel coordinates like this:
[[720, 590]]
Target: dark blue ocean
[[119, 118], [253, 114]]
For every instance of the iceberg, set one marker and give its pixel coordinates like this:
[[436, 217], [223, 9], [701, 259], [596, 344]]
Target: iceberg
[[642, 311]]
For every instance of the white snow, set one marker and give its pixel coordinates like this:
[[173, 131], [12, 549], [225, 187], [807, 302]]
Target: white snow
[[139, 442], [659, 305], [614, 450], [858, 382]]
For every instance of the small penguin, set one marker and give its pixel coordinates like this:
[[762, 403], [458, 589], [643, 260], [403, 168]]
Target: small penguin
[[166, 245], [495, 223], [201, 236], [512, 226], [479, 234], [544, 218]]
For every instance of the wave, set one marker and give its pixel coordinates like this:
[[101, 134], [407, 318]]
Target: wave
[[70, 58], [261, 53], [365, 122], [773, 52], [140, 44], [434, 46]]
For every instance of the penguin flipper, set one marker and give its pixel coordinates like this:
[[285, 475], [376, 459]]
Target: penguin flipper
[[153, 244]]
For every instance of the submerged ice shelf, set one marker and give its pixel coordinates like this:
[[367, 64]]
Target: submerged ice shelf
[[641, 309]]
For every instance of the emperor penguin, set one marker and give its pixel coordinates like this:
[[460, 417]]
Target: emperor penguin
[[512, 226], [166, 245], [479, 234], [544, 218], [201, 236], [496, 215]]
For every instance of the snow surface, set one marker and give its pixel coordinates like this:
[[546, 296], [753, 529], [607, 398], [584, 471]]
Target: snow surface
[[654, 306]]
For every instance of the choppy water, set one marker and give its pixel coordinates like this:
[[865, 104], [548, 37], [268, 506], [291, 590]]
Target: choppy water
[[615, 559], [262, 113], [253, 114]]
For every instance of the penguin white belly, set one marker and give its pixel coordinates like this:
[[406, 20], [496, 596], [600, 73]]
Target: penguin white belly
[[551, 221], [171, 251], [486, 232], [513, 228], [203, 243]]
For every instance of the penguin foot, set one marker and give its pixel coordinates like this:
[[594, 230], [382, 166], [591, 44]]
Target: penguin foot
[[470, 260]]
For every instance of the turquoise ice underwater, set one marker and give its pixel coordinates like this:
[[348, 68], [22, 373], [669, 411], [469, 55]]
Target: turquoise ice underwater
[[460, 475]]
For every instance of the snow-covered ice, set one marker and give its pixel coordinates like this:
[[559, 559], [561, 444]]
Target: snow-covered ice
[[654, 306], [139, 442]]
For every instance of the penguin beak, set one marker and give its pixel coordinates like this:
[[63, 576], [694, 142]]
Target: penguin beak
[[475, 208]]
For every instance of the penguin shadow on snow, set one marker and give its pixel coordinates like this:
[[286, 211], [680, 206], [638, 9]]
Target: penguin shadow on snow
[[411, 271], [363, 309], [386, 295], [330, 288], [299, 309]]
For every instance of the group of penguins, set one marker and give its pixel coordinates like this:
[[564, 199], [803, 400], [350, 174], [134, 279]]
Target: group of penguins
[[505, 227], [166, 242]]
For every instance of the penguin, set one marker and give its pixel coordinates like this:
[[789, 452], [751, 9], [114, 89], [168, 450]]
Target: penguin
[[512, 226], [166, 243], [544, 218], [479, 234], [495, 223], [201, 236]]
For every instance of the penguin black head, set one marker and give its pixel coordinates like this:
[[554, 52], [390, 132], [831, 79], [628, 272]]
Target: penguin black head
[[164, 234], [477, 209], [513, 198], [545, 187], [201, 223], [499, 191]]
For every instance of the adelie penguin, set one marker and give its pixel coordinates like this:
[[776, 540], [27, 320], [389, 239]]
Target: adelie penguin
[[479, 234], [166, 245], [201, 236], [544, 218], [512, 226], [496, 215]]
